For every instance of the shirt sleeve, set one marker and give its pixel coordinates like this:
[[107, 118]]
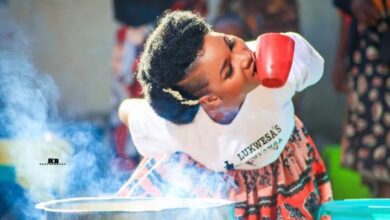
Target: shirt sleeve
[[150, 132], [306, 69], [308, 65]]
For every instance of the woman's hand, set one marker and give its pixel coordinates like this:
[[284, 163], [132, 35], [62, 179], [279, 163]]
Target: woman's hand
[[365, 12]]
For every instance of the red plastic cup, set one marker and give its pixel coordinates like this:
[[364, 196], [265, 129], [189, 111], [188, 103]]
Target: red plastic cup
[[274, 56]]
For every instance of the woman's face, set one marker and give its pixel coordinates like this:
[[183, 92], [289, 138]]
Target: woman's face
[[225, 71]]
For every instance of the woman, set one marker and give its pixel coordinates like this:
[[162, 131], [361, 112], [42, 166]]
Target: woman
[[209, 129]]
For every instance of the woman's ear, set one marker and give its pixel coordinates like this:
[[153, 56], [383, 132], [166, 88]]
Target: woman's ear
[[210, 102]]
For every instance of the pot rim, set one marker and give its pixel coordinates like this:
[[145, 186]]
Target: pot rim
[[204, 203]]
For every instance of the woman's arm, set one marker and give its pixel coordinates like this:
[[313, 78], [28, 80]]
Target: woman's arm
[[151, 134], [308, 65]]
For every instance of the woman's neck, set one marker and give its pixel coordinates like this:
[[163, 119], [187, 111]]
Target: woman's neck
[[223, 115]]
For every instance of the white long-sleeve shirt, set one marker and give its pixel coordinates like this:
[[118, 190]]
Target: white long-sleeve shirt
[[254, 139]]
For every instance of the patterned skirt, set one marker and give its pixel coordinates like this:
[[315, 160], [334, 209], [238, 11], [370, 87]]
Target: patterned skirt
[[292, 187], [366, 136]]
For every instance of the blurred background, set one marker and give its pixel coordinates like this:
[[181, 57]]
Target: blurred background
[[68, 64], [73, 41]]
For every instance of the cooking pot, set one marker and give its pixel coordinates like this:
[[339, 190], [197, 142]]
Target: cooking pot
[[140, 208]]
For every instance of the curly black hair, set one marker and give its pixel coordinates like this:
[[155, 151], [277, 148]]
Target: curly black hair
[[169, 53]]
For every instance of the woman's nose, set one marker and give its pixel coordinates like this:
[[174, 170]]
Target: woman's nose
[[244, 58]]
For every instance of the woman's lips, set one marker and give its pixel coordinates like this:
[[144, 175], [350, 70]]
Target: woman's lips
[[254, 71]]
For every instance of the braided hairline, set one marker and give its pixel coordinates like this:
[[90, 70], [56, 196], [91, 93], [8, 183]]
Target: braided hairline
[[177, 95]]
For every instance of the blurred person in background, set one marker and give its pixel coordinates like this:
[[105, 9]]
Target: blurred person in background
[[231, 23], [136, 19], [264, 16], [362, 72]]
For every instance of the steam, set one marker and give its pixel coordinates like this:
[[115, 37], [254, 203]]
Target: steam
[[32, 132], [194, 182], [92, 165], [26, 96], [178, 181]]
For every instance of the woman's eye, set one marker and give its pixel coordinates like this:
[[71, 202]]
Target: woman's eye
[[229, 72], [230, 43]]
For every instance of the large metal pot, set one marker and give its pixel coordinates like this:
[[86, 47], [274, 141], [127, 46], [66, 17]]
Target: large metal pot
[[138, 208]]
